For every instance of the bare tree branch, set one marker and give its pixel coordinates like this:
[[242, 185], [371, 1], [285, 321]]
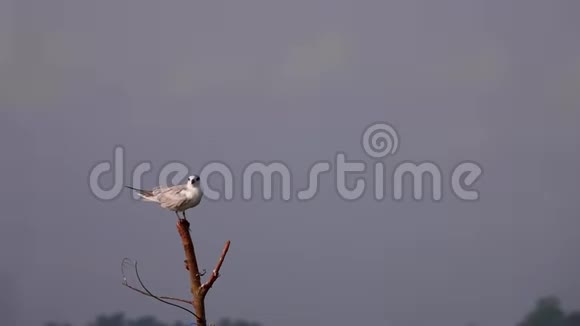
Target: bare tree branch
[[194, 277], [216, 272], [198, 290], [147, 292], [161, 297]]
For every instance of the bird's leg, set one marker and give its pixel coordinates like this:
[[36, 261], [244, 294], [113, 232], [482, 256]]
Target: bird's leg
[[176, 213], [185, 218]]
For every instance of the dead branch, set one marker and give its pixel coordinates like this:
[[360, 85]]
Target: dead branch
[[147, 292], [216, 272], [194, 278], [198, 290], [161, 297]]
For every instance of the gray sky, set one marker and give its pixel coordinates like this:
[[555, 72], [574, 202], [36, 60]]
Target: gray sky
[[491, 81]]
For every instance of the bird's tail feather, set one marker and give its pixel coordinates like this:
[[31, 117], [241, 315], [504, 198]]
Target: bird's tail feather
[[145, 194]]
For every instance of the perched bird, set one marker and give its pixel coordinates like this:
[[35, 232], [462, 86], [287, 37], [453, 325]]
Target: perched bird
[[177, 198]]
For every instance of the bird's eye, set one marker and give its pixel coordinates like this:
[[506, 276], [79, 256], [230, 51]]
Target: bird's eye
[[197, 179]]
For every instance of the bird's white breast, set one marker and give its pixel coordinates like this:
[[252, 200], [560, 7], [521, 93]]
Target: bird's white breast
[[193, 196], [188, 193]]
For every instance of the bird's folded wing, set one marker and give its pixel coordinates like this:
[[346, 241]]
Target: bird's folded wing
[[172, 199], [168, 190], [172, 193]]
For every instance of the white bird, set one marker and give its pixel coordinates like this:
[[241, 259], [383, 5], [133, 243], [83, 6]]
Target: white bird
[[177, 198]]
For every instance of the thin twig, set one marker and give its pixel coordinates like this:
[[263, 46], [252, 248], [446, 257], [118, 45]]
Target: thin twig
[[147, 292], [216, 272], [156, 297], [161, 297]]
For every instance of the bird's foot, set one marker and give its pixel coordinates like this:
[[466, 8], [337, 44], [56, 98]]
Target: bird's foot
[[185, 219]]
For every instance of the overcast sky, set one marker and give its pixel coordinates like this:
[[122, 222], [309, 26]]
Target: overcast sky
[[496, 82]]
